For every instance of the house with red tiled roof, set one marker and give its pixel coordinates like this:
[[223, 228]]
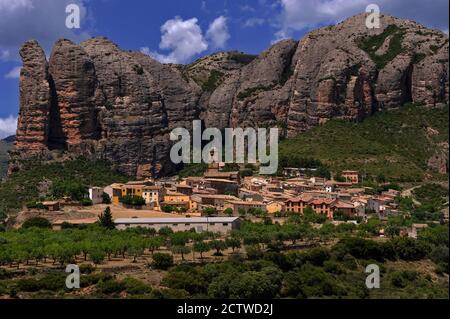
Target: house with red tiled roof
[[320, 205]]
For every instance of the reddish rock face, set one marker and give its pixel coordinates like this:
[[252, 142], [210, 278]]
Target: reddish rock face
[[72, 73], [33, 123], [98, 101]]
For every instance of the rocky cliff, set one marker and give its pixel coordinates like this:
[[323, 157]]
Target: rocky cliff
[[95, 100]]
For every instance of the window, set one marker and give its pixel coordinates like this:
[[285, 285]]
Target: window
[[187, 224], [212, 224], [225, 224]]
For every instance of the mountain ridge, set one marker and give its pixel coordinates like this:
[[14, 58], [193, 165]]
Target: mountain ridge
[[94, 100]]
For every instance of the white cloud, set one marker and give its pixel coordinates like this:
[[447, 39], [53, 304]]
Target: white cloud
[[218, 32], [183, 37], [203, 7], [247, 8], [4, 55], [8, 126], [146, 50], [43, 20], [14, 73], [254, 22], [304, 15], [11, 5]]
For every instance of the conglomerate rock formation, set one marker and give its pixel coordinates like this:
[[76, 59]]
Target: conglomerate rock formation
[[95, 100]]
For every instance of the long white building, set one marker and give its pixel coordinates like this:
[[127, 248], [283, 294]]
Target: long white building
[[200, 224]]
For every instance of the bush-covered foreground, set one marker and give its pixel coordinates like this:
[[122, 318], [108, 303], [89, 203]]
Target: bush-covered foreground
[[261, 260]]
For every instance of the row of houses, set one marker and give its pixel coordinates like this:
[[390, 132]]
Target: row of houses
[[227, 190]]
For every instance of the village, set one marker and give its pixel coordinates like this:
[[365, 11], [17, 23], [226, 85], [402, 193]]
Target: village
[[220, 199]]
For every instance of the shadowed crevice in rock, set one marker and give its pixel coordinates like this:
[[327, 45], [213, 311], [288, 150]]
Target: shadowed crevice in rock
[[56, 137]]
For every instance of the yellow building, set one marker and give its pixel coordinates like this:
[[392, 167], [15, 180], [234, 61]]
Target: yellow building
[[115, 192], [153, 195], [132, 190], [174, 197], [274, 207]]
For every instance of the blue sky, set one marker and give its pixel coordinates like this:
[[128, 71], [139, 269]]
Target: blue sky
[[178, 30]]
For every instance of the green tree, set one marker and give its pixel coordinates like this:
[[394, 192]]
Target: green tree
[[228, 211], [155, 243], [242, 212], [209, 211], [180, 250], [136, 248], [168, 209], [218, 246], [106, 219], [106, 199], [165, 231], [97, 255], [201, 247], [233, 242]]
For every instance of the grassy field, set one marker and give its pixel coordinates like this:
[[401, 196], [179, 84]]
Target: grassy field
[[396, 144]]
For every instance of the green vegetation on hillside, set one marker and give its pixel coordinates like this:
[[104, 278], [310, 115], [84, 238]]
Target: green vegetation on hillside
[[426, 203], [4, 148], [254, 90], [33, 180], [371, 44], [213, 81], [392, 144]]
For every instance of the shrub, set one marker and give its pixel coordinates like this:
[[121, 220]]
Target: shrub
[[439, 254], [254, 252], [400, 279], [409, 249], [110, 286], [38, 222], [135, 287], [86, 202], [317, 256], [35, 205], [361, 248], [333, 267], [162, 261], [87, 268], [133, 200], [93, 279], [51, 282]]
